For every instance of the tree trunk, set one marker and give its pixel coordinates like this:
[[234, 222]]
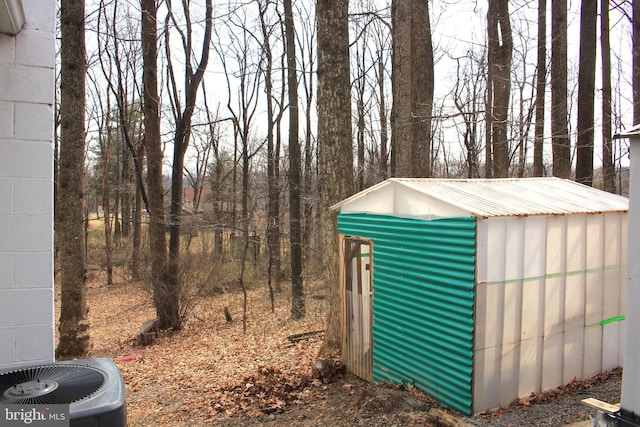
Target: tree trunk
[[174, 316], [153, 147], [488, 106], [538, 140], [297, 291], [413, 86], [586, 91], [382, 112], [74, 340], [500, 51], [273, 190], [105, 148], [608, 171], [560, 141], [136, 251], [636, 62], [335, 146], [126, 193]]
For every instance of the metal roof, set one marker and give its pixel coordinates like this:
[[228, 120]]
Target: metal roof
[[632, 132], [483, 198]]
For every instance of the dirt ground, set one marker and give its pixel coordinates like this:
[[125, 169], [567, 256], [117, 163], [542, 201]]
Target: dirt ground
[[211, 373]]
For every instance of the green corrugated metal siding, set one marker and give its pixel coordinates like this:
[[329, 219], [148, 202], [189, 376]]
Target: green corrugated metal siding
[[423, 296]]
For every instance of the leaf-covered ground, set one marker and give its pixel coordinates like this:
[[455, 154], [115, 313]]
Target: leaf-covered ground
[[210, 373]]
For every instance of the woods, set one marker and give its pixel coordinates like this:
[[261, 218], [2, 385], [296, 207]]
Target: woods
[[216, 137]]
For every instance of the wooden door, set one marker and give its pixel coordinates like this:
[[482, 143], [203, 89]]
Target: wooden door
[[357, 351]]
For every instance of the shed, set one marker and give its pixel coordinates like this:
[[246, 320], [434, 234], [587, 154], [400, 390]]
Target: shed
[[481, 291]]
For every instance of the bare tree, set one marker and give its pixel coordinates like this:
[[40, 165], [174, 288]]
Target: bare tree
[[560, 141], [295, 233], [608, 170], [334, 143], [636, 61], [193, 74], [307, 44], [74, 340], [468, 101], [586, 91], [413, 87], [541, 83], [153, 146], [273, 161], [500, 51]]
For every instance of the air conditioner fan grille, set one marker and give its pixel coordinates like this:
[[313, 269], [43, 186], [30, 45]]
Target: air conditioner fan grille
[[50, 384]]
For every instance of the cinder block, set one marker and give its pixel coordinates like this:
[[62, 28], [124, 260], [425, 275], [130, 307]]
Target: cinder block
[[6, 271], [35, 343], [26, 84], [33, 270], [6, 119], [39, 155], [26, 233], [27, 307], [6, 195], [34, 122], [33, 197], [7, 49], [35, 48], [40, 14], [8, 347]]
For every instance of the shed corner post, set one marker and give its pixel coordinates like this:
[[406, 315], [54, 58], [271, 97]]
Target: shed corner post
[[343, 304], [630, 402]]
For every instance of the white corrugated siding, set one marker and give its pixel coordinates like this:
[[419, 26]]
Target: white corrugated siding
[[549, 291]]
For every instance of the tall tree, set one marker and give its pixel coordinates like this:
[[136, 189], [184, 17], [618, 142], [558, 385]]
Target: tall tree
[[335, 181], [412, 86], [307, 60], [500, 51], [153, 147], [74, 340], [560, 141], [273, 161], [541, 83], [636, 62], [468, 100], [586, 91], [608, 171], [295, 230], [193, 74]]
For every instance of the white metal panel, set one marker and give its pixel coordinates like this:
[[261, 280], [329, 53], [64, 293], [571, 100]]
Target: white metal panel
[[484, 198], [533, 308], [552, 361], [541, 283], [514, 247], [595, 277], [535, 246], [592, 364], [530, 366], [509, 363], [533, 291]]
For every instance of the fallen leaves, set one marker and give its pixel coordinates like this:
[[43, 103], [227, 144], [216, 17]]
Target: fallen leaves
[[209, 368]]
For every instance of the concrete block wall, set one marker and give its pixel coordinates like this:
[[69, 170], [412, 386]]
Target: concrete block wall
[[27, 84]]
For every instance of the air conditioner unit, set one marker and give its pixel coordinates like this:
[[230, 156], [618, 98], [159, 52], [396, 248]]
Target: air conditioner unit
[[93, 388]]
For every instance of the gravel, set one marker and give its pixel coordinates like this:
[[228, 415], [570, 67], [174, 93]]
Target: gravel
[[557, 407]]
